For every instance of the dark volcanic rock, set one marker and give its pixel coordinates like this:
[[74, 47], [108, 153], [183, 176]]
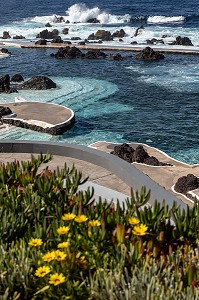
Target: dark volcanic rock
[[45, 34], [92, 54], [4, 50], [59, 19], [17, 78], [41, 42], [5, 84], [93, 20], [38, 83], [125, 152], [5, 111], [18, 37], [65, 30], [186, 183], [48, 25], [138, 31], [184, 41], [149, 54], [75, 38], [154, 41], [74, 52], [119, 34], [101, 35], [117, 57], [138, 155], [57, 40], [6, 35]]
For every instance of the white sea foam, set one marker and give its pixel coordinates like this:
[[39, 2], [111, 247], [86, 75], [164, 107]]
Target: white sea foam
[[164, 19], [80, 13]]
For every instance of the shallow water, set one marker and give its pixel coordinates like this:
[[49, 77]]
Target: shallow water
[[119, 101]]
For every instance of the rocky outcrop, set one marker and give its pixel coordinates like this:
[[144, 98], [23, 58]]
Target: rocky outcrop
[[6, 35], [154, 41], [92, 54], [41, 42], [119, 34], [65, 30], [117, 57], [93, 20], [4, 50], [138, 31], [45, 34], [59, 19], [75, 38], [17, 78], [186, 183], [38, 83], [57, 40], [139, 155], [48, 25], [5, 85], [184, 41], [149, 54], [74, 52], [101, 34], [18, 37], [5, 111]]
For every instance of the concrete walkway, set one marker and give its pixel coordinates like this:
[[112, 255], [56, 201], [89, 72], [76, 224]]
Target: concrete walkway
[[166, 176]]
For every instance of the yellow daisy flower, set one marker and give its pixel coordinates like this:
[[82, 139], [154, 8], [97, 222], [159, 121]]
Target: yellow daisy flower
[[94, 223], [49, 256], [81, 218], [56, 278], [134, 221], [140, 229], [68, 217], [35, 242], [63, 230], [60, 255], [42, 271], [64, 245]]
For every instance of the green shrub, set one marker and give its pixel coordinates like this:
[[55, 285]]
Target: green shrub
[[57, 243]]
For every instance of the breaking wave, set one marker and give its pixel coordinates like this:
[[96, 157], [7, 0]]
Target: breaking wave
[[163, 19], [81, 13]]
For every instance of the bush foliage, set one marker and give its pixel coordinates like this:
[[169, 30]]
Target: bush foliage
[[56, 242]]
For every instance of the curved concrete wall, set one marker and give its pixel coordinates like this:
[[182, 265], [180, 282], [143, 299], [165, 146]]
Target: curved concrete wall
[[125, 171]]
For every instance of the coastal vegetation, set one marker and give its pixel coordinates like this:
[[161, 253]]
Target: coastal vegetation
[[58, 243]]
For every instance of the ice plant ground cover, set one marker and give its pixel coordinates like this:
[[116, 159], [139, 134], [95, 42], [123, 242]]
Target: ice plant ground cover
[[57, 244]]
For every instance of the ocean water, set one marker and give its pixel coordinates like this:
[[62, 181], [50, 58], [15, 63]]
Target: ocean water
[[117, 101]]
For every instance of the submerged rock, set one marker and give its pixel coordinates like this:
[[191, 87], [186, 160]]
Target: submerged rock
[[149, 54], [38, 83]]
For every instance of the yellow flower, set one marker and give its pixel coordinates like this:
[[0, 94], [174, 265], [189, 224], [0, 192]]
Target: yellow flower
[[81, 218], [56, 279], [89, 233], [64, 245], [140, 229], [42, 271], [59, 255], [63, 230], [68, 217], [94, 223], [35, 242], [49, 256], [134, 221]]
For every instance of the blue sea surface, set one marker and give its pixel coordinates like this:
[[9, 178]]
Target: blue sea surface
[[117, 101]]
